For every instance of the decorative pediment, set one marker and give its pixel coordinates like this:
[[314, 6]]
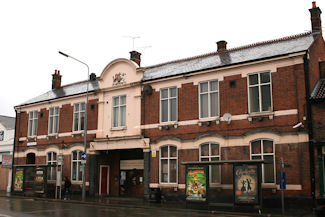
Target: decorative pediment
[[120, 72]]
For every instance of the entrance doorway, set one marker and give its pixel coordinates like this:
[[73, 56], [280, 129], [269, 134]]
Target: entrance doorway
[[104, 180], [131, 183]]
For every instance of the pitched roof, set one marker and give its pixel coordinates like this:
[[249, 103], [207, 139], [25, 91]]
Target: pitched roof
[[319, 90], [7, 122], [253, 52], [64, 91]]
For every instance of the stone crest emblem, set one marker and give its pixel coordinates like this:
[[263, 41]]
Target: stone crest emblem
[[119, 78]]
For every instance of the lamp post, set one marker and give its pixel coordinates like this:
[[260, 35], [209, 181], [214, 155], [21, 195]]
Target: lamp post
[[86, 120]]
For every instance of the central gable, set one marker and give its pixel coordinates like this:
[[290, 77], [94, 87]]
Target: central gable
[[118, 73]]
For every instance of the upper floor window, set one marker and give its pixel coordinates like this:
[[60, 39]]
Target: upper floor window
[[76, 166], [2, 135], [209, 99], [264, 150], [168, 104], [211, 152], [51, 161], [54, 120], [79, 116], [119, 111], [168, 164], [259, 92], [32, 123]]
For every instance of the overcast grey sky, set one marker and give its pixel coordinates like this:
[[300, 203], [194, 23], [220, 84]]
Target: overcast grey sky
[[33, 31]]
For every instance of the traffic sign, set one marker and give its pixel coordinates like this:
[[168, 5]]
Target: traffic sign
[[83, 156]]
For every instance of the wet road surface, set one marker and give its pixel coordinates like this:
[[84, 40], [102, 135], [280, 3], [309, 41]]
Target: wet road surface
[[28, 207]]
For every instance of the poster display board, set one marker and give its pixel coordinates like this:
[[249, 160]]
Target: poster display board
[[196, 183], [19, 179], [6, 161], [246, 184], [40, 180]]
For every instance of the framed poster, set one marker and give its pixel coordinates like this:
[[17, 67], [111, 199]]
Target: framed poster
[[40, 180], [246, 184], [196, 183], [19, 179]]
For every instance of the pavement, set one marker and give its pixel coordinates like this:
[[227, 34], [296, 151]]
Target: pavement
[[140, 203]]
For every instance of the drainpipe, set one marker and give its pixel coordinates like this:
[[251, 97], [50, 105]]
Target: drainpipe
[[13, 153], [310, 129]]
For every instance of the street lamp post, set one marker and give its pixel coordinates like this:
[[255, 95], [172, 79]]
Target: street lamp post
[[86, 120]]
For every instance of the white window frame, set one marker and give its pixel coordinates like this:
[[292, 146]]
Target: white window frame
[[168, 104], [79, 116], [209, 92], [119, 124], [32, 123], [77, 167], [209, 157], [168, 158], [259, 85], [51, 162], [262, 154], [54, 117]]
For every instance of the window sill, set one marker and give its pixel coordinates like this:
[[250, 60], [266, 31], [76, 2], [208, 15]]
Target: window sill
[[269, 185], [202, 121], [168, 185], [77, 133], [118, 128], [53, 135], [167, 125], [31, 138], [260, 115]]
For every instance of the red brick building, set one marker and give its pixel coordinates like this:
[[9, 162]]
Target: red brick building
[[52, 125], [245, 103], [263, 101]]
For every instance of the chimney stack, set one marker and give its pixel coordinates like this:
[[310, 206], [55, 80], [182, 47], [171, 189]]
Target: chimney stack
[[135, 56], [316, 24], [56, 79], [222, 46]]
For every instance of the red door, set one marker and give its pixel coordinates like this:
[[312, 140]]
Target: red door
[[104, 179]]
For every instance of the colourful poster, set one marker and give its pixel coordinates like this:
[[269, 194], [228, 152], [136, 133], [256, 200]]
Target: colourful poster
[[19, 179], [196, 183], [246, 184]]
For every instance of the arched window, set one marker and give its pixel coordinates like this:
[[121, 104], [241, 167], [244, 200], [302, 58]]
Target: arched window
[[51, 162], [264, 149], [30, 158], [211, 152], [76, 168], [168, 164]]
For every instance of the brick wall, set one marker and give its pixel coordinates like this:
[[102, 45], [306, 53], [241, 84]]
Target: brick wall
[[294, 156], [318, 115]]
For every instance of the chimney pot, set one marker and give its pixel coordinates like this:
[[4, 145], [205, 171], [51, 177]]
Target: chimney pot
[[314, 4], [135, 56], [222, 45]]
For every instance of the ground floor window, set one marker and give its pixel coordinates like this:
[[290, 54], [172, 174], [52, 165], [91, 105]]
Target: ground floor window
[[264, 149], [76, 166], [168, 164], [51, 162], [211, 152]]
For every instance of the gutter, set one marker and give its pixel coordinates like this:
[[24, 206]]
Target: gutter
[[310, 129]]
